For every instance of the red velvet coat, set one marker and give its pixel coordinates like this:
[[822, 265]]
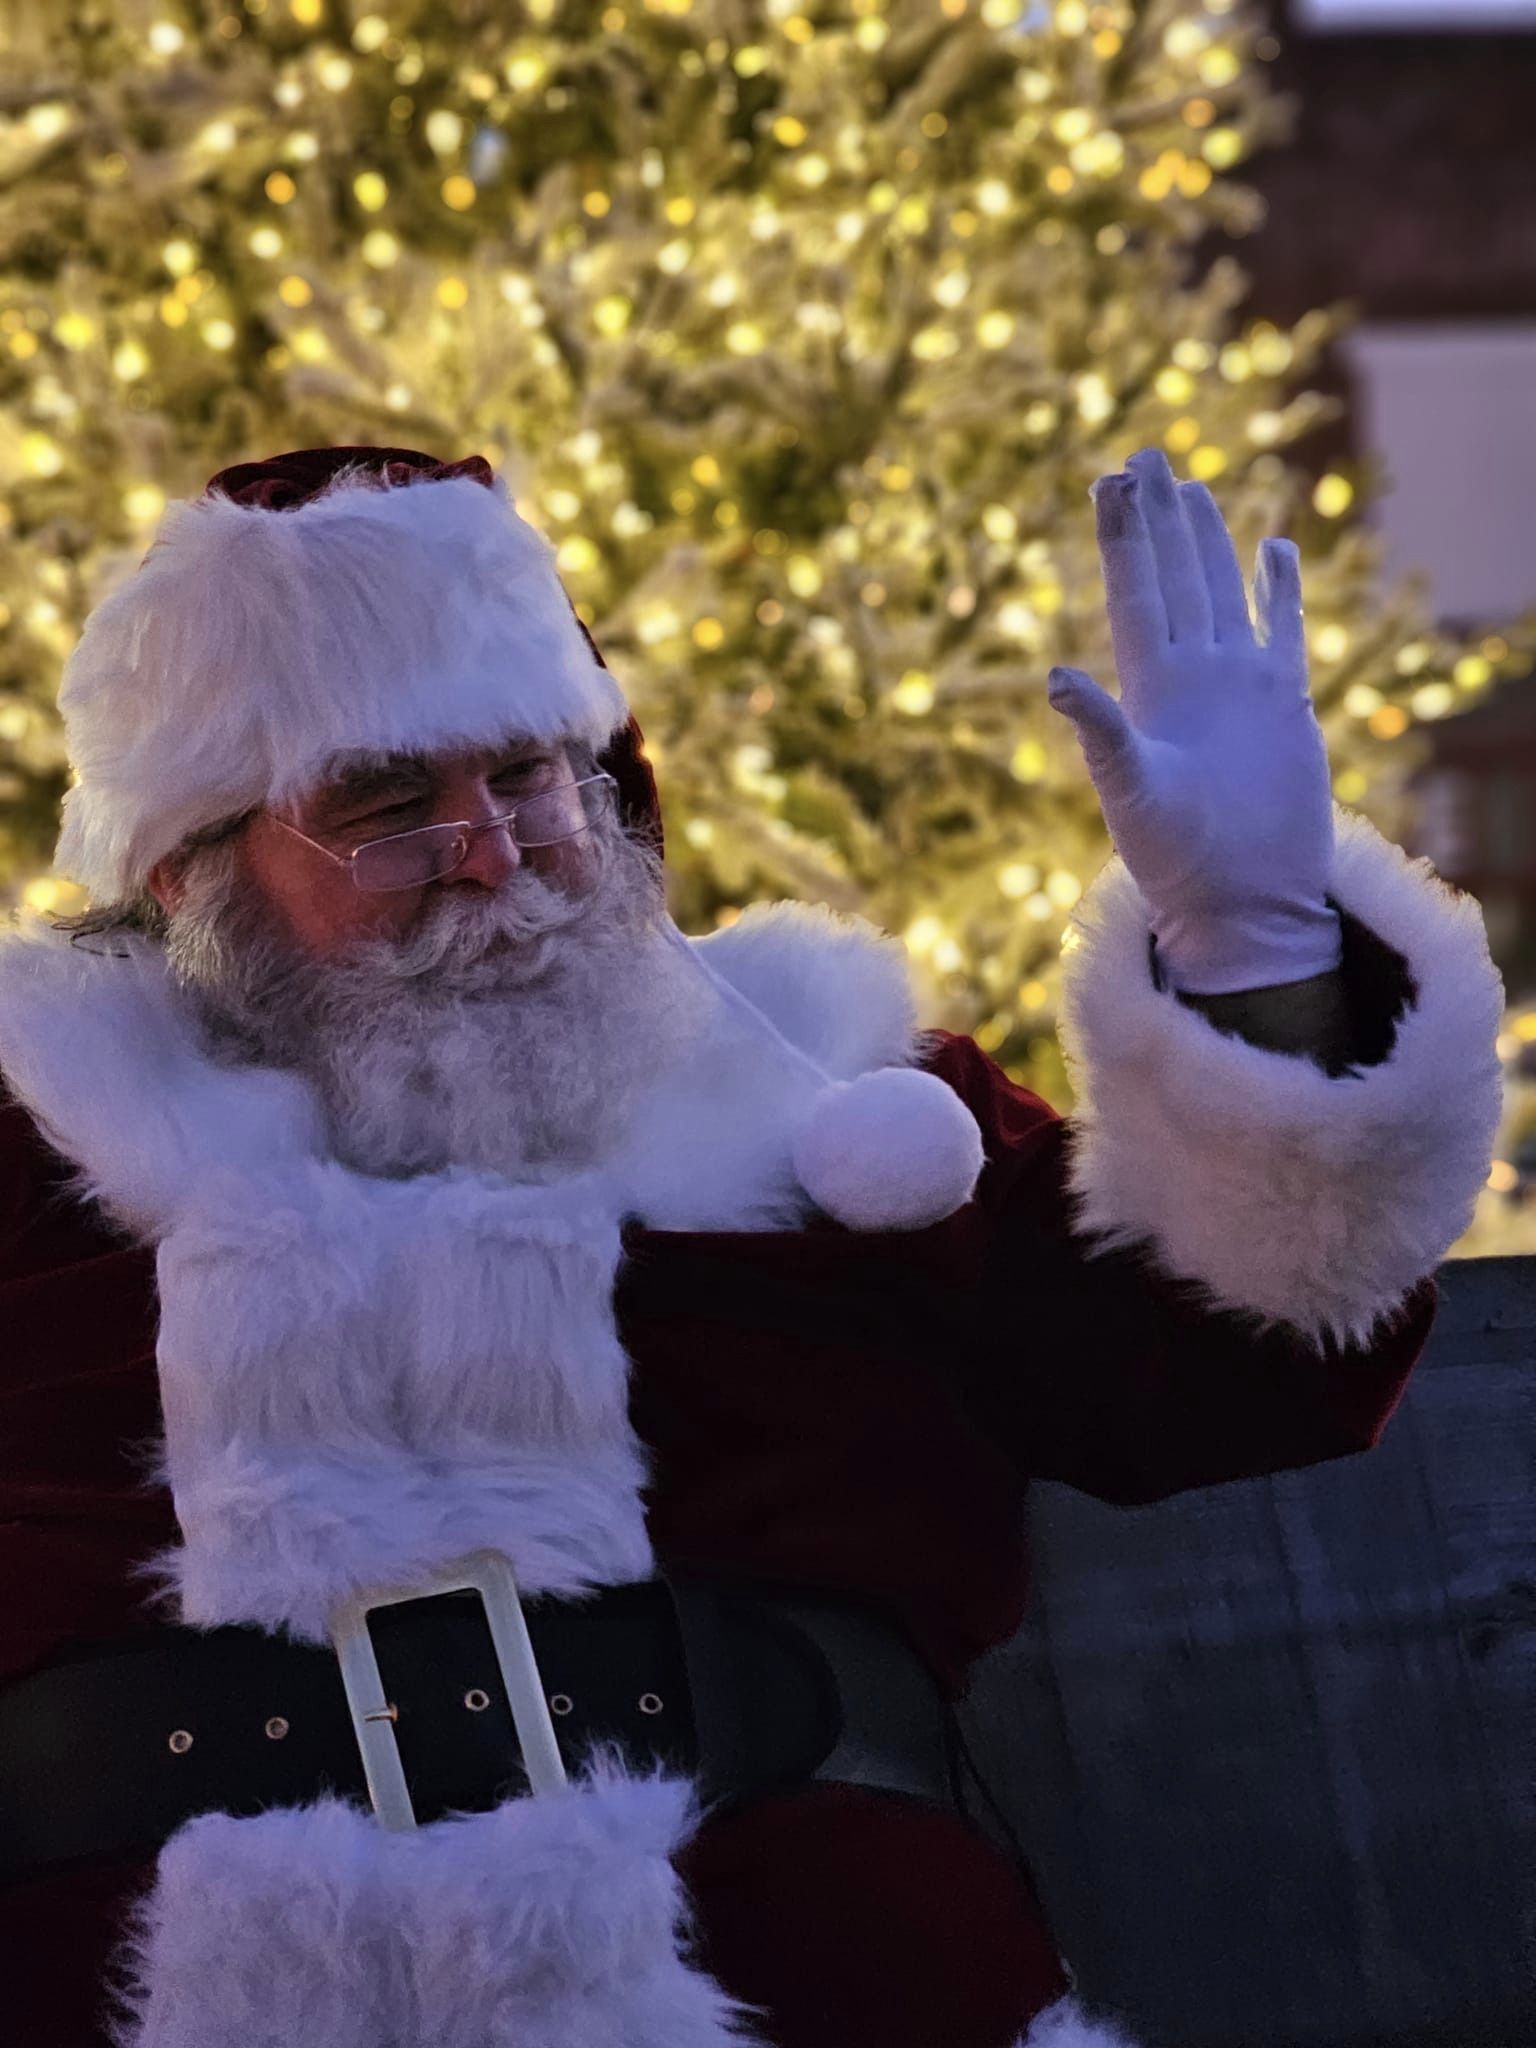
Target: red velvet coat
[[852, 1412]]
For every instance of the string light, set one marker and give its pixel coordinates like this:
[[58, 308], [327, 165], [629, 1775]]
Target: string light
[[1433, 700], [914, 694], [1272, 352], [444, 131], [74, 331], [41, 455]]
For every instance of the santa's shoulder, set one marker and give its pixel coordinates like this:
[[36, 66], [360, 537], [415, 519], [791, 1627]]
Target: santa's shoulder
[[835, 985]]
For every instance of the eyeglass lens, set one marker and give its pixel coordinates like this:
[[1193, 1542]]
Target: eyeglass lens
[[408, 859]]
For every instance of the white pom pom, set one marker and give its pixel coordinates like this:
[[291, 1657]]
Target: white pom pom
[[892, 1150]]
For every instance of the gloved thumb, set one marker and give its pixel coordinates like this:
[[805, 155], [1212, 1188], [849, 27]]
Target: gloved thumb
[[1102, 726]]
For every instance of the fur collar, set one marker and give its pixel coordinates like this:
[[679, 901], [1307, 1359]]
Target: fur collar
[[364, 1378], [103, 1051]]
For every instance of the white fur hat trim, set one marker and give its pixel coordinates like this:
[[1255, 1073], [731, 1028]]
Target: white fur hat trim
[[254, 646]]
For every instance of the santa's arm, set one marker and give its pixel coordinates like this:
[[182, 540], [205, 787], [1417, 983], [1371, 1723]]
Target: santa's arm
[[1221, 1262], [1302, 1148], [1281, 1034], [1289, 1193]]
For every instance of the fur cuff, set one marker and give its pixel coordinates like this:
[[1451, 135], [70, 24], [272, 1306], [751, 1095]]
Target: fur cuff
[[1290, 1195], [551, 1922]]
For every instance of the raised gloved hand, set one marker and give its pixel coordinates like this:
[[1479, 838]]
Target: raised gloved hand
[[1211, 767]]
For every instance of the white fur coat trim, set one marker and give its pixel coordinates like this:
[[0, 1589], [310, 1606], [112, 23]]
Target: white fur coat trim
[[853, 1013], [1294, 1196], [364, 1378], [555, 1922], [250, 646]]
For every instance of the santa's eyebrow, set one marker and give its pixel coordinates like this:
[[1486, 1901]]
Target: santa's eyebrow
[[355, 777]]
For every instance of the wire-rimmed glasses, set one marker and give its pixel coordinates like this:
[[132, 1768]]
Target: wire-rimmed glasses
[[405, 860]]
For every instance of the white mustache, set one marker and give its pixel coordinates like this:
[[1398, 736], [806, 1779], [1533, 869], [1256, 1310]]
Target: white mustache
[[460, 931]]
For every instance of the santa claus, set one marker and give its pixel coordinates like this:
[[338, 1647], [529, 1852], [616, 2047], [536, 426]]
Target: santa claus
[[514, 1422]]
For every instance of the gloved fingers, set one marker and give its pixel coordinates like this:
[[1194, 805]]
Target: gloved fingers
[[1138, 624], [1179, 569], [1277, 599], [1223, 572], [1105, 734]]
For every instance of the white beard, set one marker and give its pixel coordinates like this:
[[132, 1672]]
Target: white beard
[[511, 1032]]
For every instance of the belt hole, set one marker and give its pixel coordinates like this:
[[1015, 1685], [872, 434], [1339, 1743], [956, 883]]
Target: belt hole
[[650, 1703], [275, 1729], [477, 1700], [561, 1703], [180, 1741]]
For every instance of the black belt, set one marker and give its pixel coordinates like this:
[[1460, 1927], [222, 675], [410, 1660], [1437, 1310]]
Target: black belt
[[103, 1757]]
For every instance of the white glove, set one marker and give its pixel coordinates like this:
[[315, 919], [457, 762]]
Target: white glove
[[1211, 767]]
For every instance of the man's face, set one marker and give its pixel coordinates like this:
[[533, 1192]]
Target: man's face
[[502, 1016], [318, 904]]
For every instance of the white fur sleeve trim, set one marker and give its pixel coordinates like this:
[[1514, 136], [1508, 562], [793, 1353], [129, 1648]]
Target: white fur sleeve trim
[[553, 1922], [1296, 1196]]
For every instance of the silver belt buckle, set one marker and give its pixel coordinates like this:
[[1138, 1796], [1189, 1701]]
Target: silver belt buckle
[[487, 1573]]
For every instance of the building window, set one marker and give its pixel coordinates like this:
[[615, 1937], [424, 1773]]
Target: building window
[[1446, 411]]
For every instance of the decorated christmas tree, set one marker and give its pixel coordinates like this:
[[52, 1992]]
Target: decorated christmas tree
[[800, 329]]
